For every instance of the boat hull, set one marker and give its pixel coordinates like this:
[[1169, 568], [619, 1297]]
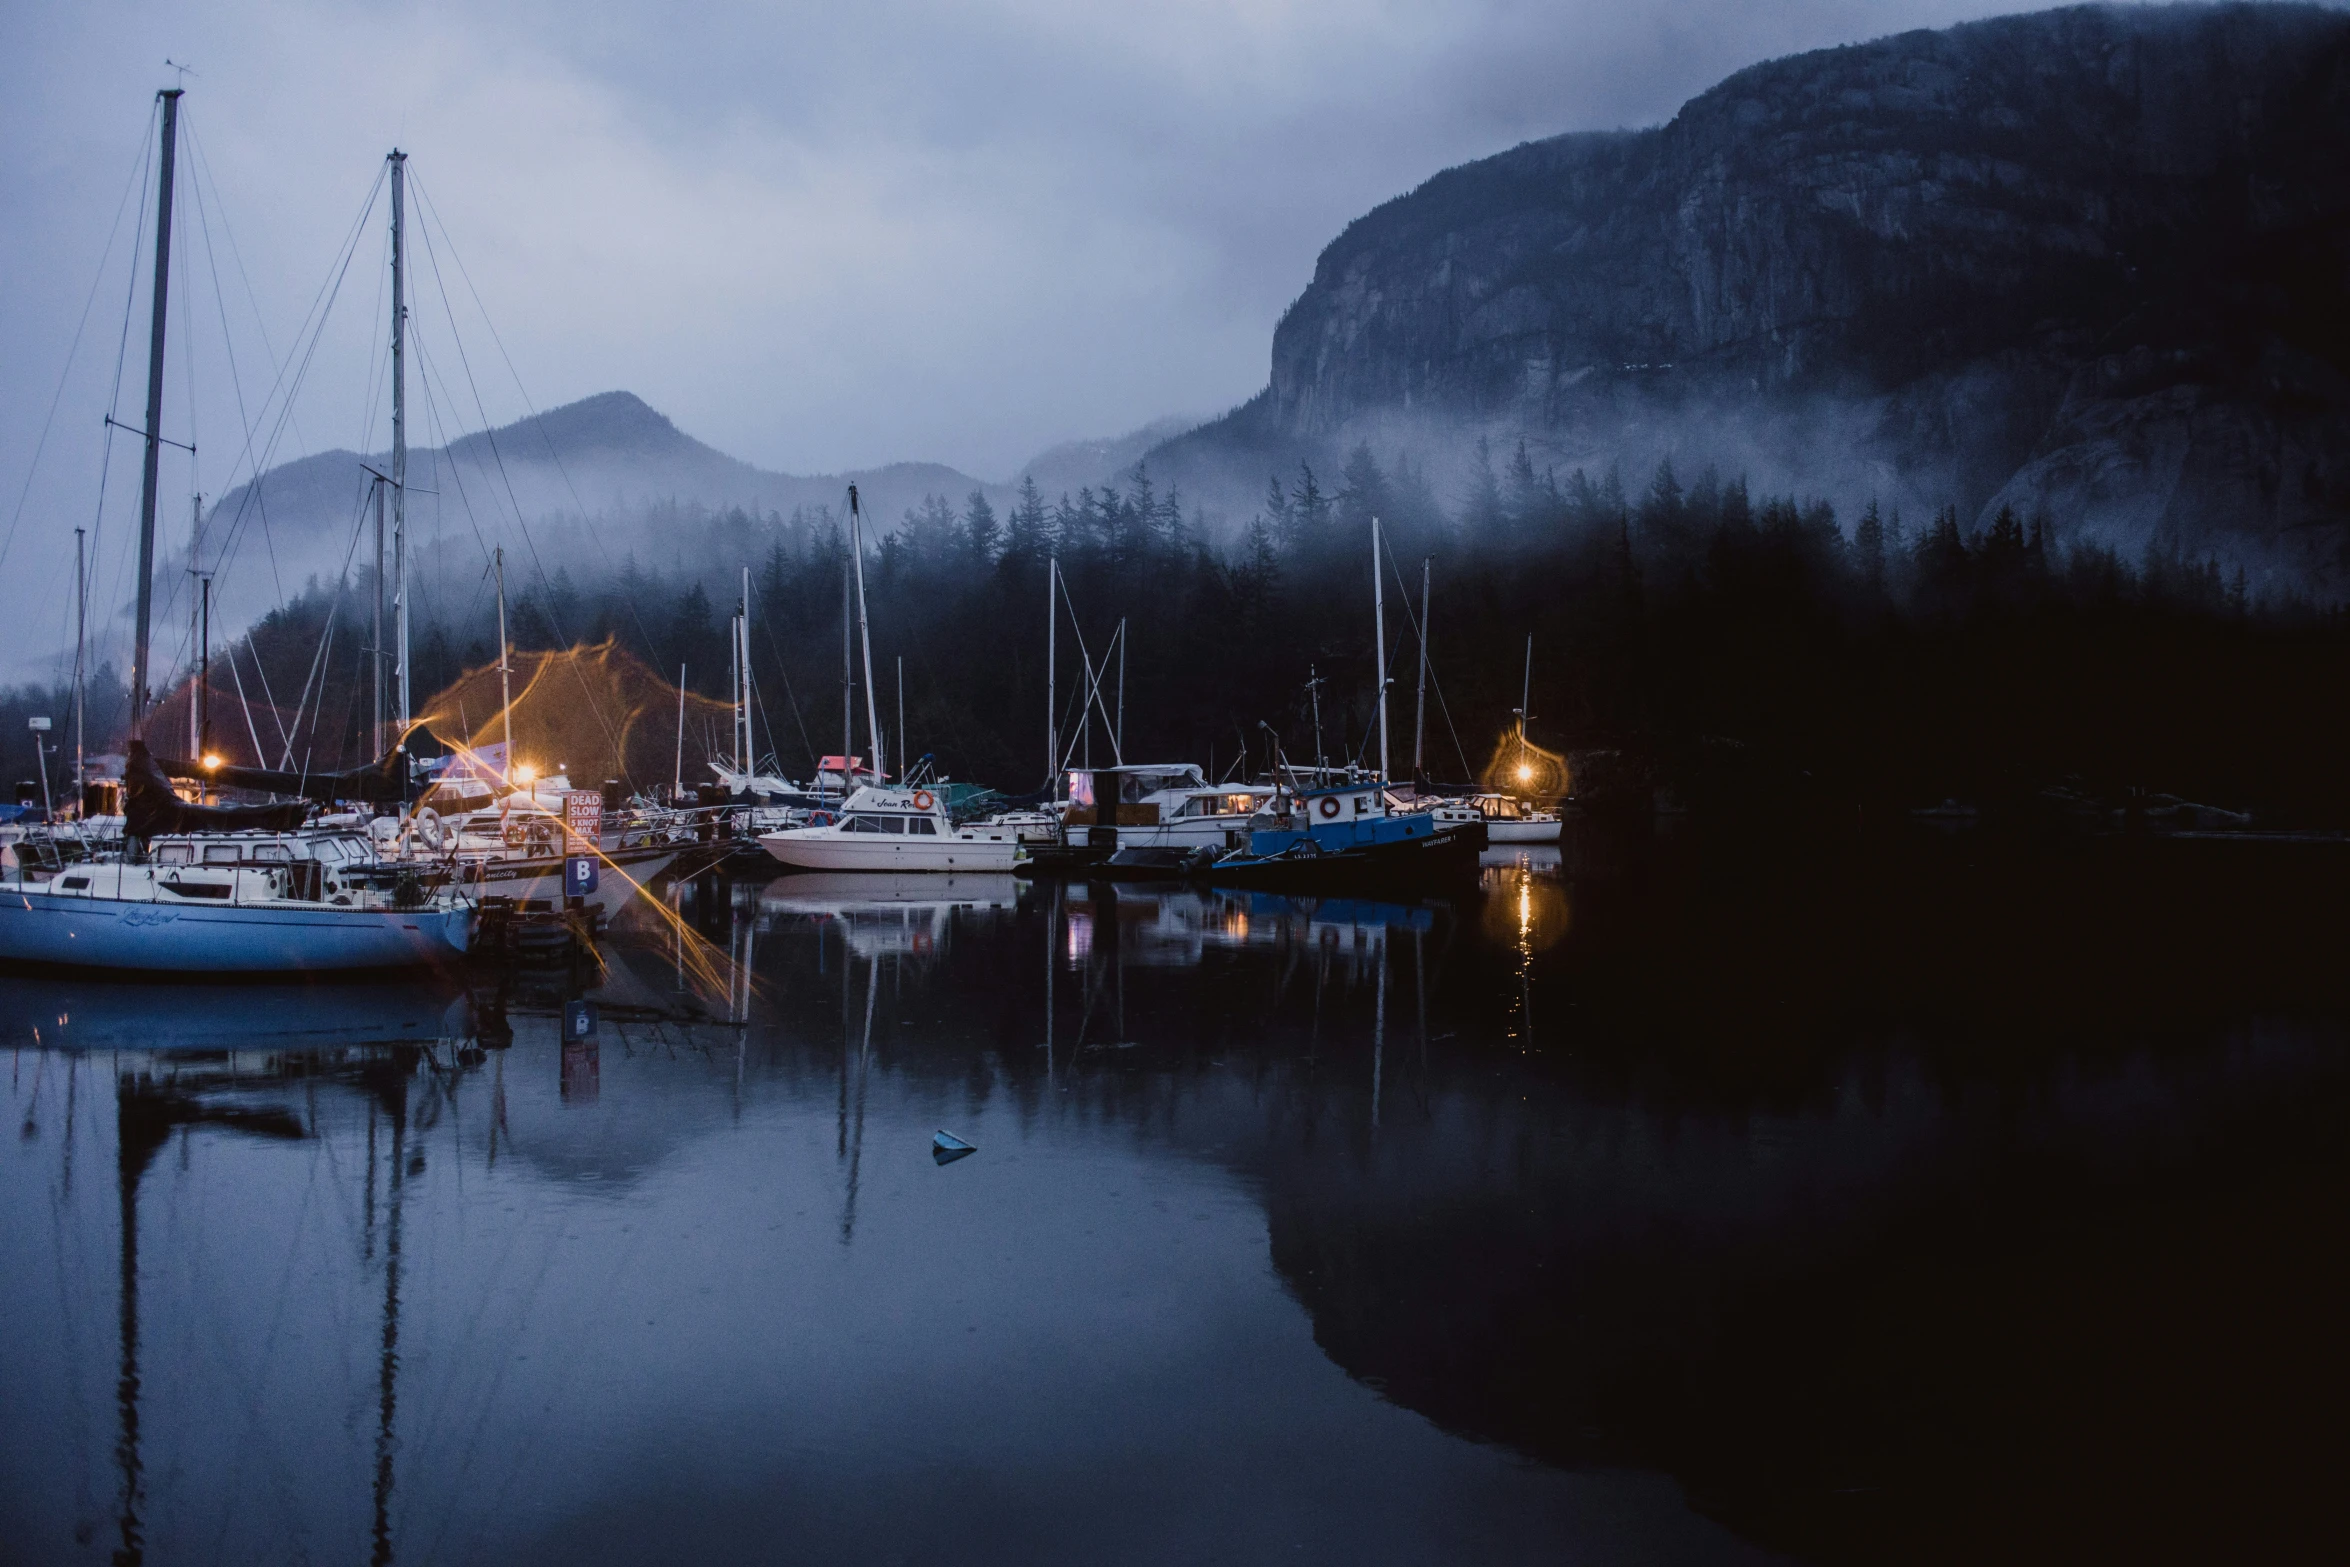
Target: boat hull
[[177, 938], [621, 873], [1522, 832], [1445, 854], [821, 849]]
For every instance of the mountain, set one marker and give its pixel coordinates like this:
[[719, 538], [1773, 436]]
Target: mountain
[[592, 479], [1073, 465], [600, 456], [2091, 263]]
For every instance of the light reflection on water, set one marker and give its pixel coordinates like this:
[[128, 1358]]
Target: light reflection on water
[[1293, 1223]]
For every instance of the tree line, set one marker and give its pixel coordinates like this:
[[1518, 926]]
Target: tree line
[[1872, 662]]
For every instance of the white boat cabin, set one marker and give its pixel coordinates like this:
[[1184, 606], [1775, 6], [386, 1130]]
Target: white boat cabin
[[1168, 805]]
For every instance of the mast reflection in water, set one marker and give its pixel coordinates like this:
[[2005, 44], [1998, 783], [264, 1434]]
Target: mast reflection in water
[[1629, 1205]]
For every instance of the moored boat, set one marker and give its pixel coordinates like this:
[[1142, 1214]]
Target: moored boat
[[893, 828]]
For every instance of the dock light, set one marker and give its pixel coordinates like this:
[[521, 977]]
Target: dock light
[[1525, 772], [525, 773], [211, 761]]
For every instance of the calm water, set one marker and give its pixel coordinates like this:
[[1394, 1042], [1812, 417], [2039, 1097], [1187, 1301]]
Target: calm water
[[1650, 1205]]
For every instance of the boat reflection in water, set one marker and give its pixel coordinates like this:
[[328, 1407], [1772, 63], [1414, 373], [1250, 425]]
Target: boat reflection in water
[[113, 1013], [890, 914], [1411, 1232]]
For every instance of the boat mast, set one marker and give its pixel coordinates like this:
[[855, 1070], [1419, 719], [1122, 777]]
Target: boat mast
[[1379, 626], [376, 739], [204, 670], [901, 709], [848, 681], [1420, 719], [1526, 694], [1052, 711], [1118, 738], [196, 611], [865, 632], [505, 679], [139, 671], [677, 784], [399, 162], [81, 643], [744, 749]]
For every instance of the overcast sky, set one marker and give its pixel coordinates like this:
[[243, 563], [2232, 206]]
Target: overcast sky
[[817, 236]]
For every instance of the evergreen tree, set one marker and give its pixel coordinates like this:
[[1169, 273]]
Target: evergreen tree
[[1868, 548], [979, 527]]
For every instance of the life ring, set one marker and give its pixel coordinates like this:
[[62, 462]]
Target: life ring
[[428, 827], [820, 818], [514, 835], [922, 801], [1329, 805]]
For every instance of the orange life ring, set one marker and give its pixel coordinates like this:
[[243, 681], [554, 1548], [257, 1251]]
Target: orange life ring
[[820, 819], [922, 801], [1329, 806], [514, 834]]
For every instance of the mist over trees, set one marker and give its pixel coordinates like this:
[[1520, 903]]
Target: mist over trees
[[1721, 640]]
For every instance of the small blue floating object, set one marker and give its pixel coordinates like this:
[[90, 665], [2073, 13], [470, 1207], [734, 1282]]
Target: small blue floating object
[[946, 1148]]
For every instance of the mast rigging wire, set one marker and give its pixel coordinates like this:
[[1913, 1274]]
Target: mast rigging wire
[[97, 281]]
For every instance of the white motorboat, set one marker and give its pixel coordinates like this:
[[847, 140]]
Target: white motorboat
[[1164, 806], [237, 903], [893, 828], [1507, 818]]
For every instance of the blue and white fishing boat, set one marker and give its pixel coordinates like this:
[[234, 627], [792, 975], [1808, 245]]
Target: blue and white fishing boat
[[1346, 833], [1329, 837]]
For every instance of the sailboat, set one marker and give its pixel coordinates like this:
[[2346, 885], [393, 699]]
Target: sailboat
[[227, 889], [889, 827], [1349, 833]]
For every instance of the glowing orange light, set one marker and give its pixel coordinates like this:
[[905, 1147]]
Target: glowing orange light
[[525, 773], [1525, 772], [211, 761]]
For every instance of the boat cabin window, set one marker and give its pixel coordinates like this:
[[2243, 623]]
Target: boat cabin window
[[175, 854], [1134, 788], [327, 849], [922, 827], [860, 823], [896, 824], [272, 854], [222, 853]]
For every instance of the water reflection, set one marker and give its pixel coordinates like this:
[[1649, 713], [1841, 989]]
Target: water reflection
[[1294, 1224]]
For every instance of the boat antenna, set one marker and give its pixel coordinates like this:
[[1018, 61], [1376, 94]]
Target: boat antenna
[[865, 632], [1314, 695], [1281, 759], [140, 676]]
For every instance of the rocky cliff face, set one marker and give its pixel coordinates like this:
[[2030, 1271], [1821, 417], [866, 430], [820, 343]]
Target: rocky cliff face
[[2092, 262]]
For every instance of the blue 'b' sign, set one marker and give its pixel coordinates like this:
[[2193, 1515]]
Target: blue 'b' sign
[[579, 1020], [579, 875]]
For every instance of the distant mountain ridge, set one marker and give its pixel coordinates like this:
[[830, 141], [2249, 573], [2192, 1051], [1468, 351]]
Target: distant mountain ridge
[[605, 453], [595, 471], [2092, 263]]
